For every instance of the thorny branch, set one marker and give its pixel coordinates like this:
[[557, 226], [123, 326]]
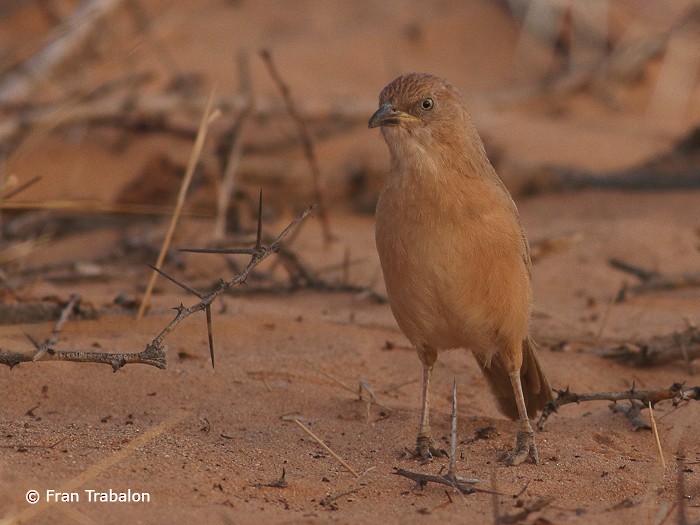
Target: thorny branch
[[677, 393], [154, 353], [153, 356], [258, 253]]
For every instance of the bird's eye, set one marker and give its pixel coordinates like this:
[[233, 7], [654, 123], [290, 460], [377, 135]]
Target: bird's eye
[[427, 104]]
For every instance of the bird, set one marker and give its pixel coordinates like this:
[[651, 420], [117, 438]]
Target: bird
[[454, 255]]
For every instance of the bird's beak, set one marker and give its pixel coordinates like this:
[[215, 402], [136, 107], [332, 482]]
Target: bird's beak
[[387, 115]]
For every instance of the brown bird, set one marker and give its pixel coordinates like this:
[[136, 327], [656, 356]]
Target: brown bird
[[453, 252]]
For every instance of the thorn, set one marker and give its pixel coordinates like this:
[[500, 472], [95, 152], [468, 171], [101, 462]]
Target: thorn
[[178, 282], [224, 251], [451, 470], [207, 310], [258, 239], [33, 341]]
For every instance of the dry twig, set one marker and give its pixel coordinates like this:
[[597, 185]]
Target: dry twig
[[306, 142], [656, 435]]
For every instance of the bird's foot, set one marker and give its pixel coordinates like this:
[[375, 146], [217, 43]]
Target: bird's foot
[[426, 449], [524, 449]]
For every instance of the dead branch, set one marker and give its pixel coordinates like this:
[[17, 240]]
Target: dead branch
[[677, 393], [306, 142], [462, 485], [299, 276], [18, 84], [651, 281], [154, 356], [677, 346], [150, 356]]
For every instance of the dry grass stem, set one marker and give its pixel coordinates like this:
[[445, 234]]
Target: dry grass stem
[[656, 436], [325, 447], [191, 165]]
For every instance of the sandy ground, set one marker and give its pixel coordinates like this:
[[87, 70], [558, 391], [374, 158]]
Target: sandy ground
[[207, 444]]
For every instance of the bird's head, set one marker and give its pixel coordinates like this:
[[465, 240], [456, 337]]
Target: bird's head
[[421, 107]]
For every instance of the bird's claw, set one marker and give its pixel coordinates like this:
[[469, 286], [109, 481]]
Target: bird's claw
[[426, 449], [524, 449]]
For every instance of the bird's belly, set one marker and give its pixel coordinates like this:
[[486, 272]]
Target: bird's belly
[[450, 289]]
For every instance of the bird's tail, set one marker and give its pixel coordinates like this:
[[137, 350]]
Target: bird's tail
[[535, 385]]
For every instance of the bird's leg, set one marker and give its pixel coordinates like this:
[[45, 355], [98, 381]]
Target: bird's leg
[[426, 448], [525, 440]]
